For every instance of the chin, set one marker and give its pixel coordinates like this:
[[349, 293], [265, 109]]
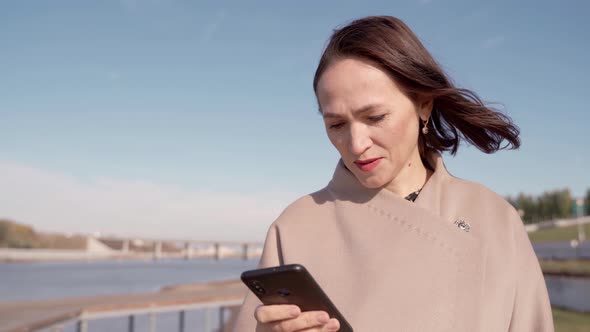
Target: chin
[[371, 183]]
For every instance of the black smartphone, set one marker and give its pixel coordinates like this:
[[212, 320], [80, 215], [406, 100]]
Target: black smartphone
[[292, 284]]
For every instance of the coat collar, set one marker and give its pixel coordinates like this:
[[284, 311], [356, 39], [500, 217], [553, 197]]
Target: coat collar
[[345, 186]]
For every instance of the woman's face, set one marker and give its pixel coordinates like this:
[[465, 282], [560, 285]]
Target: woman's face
[[372, 124]]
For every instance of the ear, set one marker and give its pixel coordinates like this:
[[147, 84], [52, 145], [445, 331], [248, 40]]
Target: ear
[[425, 109]]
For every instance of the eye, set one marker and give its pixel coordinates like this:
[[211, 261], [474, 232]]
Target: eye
[[377, 118], [337, 125]]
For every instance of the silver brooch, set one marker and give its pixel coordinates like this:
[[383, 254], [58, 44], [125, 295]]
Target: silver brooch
[[462, 225]]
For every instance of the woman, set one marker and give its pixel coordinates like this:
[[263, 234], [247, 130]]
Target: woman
[[395, 241]]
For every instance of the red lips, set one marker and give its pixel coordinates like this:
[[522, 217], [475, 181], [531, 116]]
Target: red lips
[[366, 161], [367, 164]]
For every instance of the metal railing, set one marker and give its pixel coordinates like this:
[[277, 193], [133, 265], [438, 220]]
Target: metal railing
[[207, 324]]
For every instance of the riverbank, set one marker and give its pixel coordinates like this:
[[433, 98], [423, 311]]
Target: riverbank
[[570, 321], [569, 268], [38, 314], [557, 234]]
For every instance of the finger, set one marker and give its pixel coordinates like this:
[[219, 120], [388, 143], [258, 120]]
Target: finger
[[332, 326], [306, 320], [272, 313]]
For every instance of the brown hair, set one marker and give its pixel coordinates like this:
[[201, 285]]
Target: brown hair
[[456, 114]]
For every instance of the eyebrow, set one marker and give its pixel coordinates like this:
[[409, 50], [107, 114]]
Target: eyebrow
[[363, 109]]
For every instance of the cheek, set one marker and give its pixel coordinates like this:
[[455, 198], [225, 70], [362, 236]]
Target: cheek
[[404, 128], [399, 134], [339, 143]]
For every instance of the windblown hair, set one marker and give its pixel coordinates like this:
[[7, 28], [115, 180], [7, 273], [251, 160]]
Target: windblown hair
[[457, 113]]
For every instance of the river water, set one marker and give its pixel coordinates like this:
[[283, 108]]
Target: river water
[[28, 281], [563, 250], [33, 281]]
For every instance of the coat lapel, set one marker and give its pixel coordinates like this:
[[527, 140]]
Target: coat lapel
[[451, 256]]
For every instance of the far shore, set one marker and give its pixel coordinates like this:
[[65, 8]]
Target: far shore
[[9, 255], [566, 268]]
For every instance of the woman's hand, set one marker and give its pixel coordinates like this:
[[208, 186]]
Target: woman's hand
[[289, 318]]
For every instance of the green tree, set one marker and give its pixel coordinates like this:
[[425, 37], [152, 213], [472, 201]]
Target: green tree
[[13, 235], [564, 203], [555, 204], [547, 206], [527, 204]]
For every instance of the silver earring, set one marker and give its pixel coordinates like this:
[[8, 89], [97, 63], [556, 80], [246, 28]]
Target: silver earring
[[425, 127]]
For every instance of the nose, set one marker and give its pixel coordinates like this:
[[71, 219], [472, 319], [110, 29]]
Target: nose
[[359, 139]]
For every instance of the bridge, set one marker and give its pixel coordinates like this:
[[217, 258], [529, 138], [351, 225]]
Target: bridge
[[181, 248]]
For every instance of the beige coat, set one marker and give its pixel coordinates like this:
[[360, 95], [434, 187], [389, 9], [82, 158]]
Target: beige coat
[[393, 265]]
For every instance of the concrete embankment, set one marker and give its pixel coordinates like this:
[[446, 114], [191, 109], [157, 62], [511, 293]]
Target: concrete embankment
[[57, 255], [9, 255]]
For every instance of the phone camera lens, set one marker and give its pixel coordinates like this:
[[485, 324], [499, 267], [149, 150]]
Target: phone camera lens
[[257, 286], [283, 292]]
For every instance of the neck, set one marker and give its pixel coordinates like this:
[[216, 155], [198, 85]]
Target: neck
[[411, 177]]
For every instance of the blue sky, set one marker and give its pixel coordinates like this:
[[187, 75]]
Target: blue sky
[[192, 119]]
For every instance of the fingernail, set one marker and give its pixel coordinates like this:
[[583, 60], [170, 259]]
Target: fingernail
[[323, 318], [294, 312], [333, 324]]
